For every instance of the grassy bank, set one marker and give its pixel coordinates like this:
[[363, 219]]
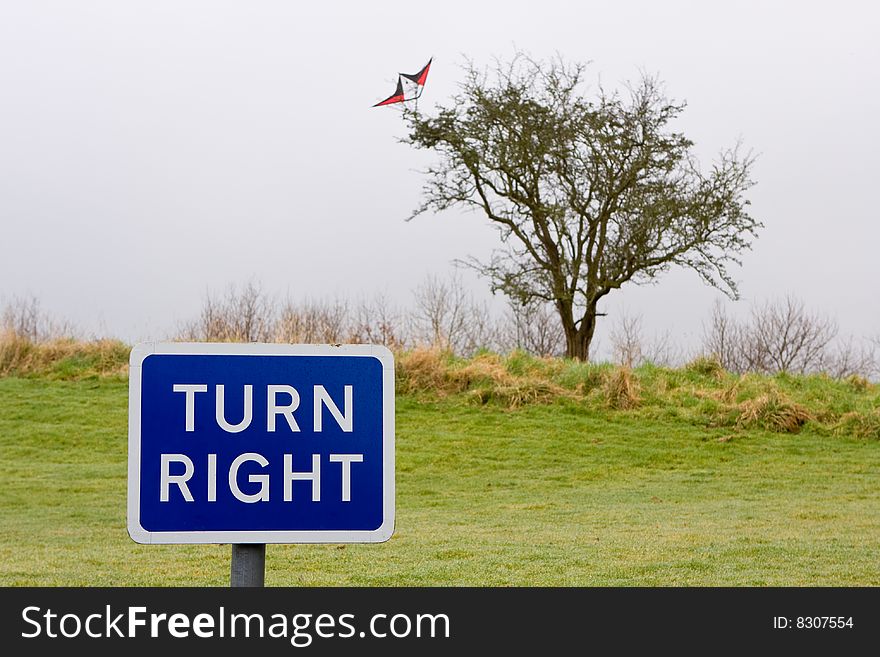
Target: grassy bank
[[700, 393], [511, 471]]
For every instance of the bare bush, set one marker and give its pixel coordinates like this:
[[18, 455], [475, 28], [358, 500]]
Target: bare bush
[[244, 315], [379, 322], [531, 327], [312, 322], [847, 358], [629, 347], [723, 338], [24, 318], [439, 317], [783, 336], [662, 350], [626, 340], [480, 329], [446, 316]]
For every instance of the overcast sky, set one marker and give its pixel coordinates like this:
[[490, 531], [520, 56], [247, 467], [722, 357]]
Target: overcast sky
[[151, 151]]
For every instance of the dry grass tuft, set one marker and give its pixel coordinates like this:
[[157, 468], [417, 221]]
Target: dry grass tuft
[[622, 390], [729, 393], [483, 369], [519, 393], [422, 370], [860, 425], [773, 411]]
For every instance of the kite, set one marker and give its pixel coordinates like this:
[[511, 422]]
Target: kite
[[409, 86]]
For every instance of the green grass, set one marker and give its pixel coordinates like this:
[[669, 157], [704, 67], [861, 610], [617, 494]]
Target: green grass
[[562, 493]]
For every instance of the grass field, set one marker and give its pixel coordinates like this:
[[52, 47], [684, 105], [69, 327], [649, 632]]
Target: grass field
[[495, 489]]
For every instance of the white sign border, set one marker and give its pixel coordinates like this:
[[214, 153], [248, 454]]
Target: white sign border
[[141, 351]]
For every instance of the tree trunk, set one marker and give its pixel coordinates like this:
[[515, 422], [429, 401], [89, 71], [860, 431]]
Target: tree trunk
[[575, 347], [577, 340]]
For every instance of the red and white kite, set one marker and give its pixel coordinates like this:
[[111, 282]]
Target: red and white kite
[[409, 86]]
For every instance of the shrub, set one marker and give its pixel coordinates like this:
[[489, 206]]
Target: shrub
[[773, 411], [622, 390]]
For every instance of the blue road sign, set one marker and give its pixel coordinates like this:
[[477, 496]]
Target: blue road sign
[[260, 443]]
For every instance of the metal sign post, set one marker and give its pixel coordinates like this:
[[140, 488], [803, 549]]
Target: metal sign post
[[250, 444], [248, 565]]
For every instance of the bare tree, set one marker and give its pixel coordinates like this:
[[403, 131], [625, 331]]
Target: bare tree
[[587, 194]]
